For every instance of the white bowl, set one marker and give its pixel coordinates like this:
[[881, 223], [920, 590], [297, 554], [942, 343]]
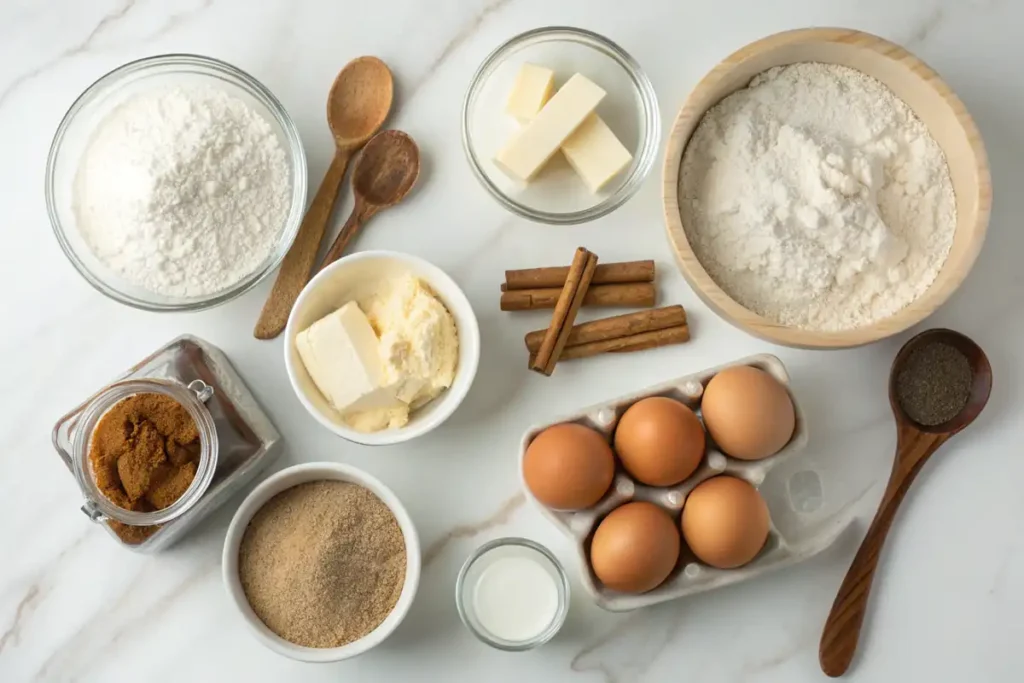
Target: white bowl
[[285, 479], [340, 283]]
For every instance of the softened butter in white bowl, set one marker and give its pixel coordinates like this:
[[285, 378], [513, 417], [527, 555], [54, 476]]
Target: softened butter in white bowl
[[357, 277]]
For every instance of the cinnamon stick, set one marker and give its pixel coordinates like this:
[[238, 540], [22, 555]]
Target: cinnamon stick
[[630, 295], [615, 327], [606, 274], [634, 342], [581, 272]]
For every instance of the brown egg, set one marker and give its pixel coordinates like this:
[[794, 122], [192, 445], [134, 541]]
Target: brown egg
[[568, 466], [748, 413], [725, 522], [659, 441], [635, 548]]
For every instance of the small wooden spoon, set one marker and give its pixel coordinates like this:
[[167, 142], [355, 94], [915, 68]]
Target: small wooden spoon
[[357, 105], [914, 444], [385, 172]]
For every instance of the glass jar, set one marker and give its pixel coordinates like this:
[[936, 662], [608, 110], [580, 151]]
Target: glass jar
[[98, 507], [236, 438]]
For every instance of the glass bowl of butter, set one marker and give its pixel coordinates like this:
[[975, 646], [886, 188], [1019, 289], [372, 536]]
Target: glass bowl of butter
[[560, 125], [381, 347]]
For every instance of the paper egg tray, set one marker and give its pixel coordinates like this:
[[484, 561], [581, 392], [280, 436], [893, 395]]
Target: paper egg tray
[[690, 576]]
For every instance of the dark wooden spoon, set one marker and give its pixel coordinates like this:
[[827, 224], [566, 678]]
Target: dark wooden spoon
[[385, 172], [914, 445]]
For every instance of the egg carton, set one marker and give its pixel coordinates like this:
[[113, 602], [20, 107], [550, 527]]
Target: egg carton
[[690, 576]]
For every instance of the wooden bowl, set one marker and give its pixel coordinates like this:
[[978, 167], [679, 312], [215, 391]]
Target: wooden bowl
[[912, 81]]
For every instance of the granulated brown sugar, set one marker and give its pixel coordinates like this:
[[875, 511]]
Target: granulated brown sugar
[[144, 454], [323, 563]]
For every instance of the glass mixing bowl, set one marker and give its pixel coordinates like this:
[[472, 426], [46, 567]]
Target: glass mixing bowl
[[74, 134], [630, 109]]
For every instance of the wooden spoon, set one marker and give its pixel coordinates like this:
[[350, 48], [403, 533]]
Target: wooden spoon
[[357, 105], [385, 172], [914, 444]]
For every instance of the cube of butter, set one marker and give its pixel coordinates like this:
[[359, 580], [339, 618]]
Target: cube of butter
[[538, 141], [595, 153], [530, 92], [341, 353]]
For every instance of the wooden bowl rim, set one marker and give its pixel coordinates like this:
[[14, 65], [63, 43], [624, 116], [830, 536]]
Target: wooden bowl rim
[[729, 309]]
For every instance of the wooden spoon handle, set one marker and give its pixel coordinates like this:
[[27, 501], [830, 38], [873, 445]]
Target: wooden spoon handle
[[842, 628], [298, 263], [361, 213]]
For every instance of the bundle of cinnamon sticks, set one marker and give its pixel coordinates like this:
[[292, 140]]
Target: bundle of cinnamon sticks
[[585, 283]]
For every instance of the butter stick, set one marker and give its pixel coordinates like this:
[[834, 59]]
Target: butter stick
[[531, 91], [593, 150], [538, 141]]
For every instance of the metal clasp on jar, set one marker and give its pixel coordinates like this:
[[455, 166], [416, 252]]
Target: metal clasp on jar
[[93, 512], [202, 390]]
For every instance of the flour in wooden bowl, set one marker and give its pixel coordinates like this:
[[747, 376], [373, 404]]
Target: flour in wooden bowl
[[817, 199]]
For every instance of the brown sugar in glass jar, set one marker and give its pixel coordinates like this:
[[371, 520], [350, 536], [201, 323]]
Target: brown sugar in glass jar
[[236, 442], [133, 499]]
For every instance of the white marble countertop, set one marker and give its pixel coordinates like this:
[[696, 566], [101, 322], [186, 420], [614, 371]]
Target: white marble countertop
[[75, 607]]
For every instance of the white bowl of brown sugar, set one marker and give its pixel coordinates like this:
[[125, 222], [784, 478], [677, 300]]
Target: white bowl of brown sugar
[[322, 561]]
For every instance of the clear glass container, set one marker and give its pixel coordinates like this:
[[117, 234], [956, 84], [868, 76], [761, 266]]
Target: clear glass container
[[237, 439], [97, 506], [483, 558], [630, 108], [76, 129]]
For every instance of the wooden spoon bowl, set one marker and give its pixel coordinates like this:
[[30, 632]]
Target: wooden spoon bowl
[[388, 169], [981, 387], [384, 174], [915, 443], [359, 102]]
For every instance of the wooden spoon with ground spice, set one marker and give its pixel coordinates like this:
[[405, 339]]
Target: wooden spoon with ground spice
[[939, 383]]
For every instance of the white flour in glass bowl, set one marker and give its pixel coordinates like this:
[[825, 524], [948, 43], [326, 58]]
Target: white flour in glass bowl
[[182, 190]]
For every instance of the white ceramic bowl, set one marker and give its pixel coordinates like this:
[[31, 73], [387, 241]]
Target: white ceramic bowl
[[341, 282], [285, 479]]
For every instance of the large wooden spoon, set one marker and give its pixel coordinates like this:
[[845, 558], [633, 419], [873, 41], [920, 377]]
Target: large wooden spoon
[[357, 105], [914, 445], [385, 172]]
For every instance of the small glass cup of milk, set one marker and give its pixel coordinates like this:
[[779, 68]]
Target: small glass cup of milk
[[512, 594]]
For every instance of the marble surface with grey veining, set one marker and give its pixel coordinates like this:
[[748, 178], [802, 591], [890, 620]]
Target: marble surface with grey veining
[[74, 607]]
